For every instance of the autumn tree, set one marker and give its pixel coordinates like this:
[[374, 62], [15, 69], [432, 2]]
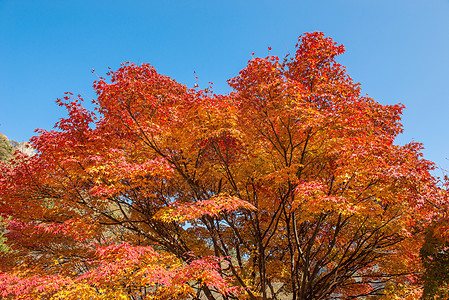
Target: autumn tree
[[435, 257], [435, 254], [289, 187]]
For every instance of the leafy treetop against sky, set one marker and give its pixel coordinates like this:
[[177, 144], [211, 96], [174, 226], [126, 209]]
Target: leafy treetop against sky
[[290, 186], [396, 49]]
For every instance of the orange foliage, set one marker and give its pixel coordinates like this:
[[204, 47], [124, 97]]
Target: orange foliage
[[290, 186]]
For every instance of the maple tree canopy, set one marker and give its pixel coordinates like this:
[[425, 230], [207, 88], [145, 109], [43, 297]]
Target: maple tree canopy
[[289, 187]]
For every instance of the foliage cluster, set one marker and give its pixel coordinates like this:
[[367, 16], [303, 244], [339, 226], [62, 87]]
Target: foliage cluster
[[289, 187], [6, 149]]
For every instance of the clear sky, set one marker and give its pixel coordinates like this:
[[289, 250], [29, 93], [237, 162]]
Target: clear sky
[[397, 49]]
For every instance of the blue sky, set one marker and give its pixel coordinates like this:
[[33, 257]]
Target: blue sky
[[397, 49]]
